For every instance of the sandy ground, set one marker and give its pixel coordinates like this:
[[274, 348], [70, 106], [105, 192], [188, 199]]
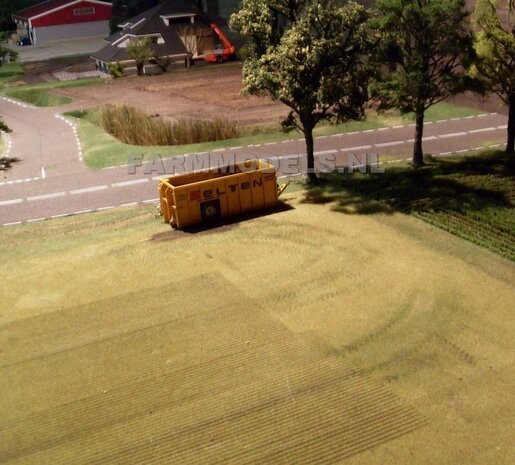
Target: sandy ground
[[204, 92], [305, 336]]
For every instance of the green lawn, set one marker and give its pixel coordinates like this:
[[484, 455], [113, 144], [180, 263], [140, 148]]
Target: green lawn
[[102, 150], [471, 197], [9, 72]]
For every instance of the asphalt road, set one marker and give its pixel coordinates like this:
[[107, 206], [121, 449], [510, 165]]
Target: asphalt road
[[51, 179]]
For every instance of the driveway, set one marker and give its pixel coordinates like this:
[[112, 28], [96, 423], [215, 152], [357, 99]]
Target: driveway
[[58, 49]]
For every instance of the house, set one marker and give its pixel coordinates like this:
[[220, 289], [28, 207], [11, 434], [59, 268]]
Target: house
[[163, 25], [57, 20]]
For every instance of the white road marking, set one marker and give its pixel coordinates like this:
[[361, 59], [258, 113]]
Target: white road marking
[[18, 181], [43, 174], [105, 208], [11, 202], [36, 219], [129, 183], [325, 152], [89, 189], [80, 212], [46, 196], [359, 147], [61, 215], [150, 201], [130, 204], [390, 144], [475, 131], [452, 134], [505, 126], [12, 224]]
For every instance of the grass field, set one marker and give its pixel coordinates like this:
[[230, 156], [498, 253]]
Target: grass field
[[307, 336], [9, 72], [471, 197], [102, 150]]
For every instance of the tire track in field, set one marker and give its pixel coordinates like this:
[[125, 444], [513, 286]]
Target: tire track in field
[[220, 383]]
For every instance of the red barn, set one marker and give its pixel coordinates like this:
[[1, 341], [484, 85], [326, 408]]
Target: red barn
[[57, 20]]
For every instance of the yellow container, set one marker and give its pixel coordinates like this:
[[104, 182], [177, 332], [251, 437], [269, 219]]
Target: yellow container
[[207, 196]]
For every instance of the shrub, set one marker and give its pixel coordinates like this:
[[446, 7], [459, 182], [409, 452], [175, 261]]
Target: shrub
[[163, 63], [116, 70], [133, 126]]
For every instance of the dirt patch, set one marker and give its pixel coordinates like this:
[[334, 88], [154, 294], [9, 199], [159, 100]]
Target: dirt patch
[[205, 92], [42, 71]]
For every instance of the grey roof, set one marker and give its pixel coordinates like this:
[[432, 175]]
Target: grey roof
[[150, 22]]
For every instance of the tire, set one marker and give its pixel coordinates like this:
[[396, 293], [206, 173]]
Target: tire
[[210, 211]]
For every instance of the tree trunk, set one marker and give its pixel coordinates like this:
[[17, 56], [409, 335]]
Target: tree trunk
[[139, 68], [510, 143], [310, 148], [418, 153], [188, 61]]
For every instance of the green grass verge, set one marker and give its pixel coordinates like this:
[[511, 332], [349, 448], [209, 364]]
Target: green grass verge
[[38, 98], [102, 150], [471, 197], [9, 72], [40, 95]]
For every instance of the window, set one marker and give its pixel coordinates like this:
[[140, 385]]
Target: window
[[89, 10]]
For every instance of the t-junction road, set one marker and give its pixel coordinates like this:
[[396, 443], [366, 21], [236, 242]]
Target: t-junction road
[[51, 179]]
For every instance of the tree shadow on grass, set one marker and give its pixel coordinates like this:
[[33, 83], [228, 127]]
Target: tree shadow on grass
[[457, 184]]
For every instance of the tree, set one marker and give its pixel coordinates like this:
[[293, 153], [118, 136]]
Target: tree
[[140, 50], [259, 21], [7, 54], [317, 68], [426, 44], [495, 55], [190, 36], [4, 127]]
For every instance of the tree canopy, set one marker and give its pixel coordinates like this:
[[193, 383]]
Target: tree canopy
[[317, 68], [495, 48], [426, 44], [262, 22]]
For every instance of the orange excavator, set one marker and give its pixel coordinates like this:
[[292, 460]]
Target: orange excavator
[[222, 51]]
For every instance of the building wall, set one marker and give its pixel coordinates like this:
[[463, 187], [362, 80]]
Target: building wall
[[67, 15], [71, 31]]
